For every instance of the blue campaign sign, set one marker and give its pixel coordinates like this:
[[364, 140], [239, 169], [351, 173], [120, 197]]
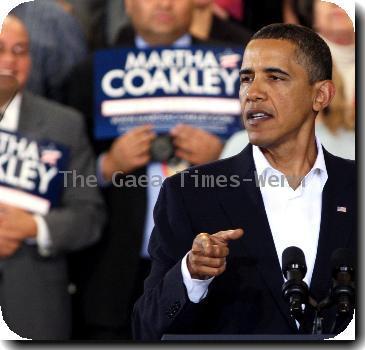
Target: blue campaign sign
[[30, 172], [164, 86]]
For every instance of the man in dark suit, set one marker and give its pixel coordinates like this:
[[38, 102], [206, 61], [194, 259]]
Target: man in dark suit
[[117, 266], [283, 190], [34, 295]]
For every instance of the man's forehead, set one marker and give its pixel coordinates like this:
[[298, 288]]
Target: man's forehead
[[15, 27], [267, 51], [272, 46]]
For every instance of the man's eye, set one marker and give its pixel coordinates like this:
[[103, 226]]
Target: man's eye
[[275, 78], [20, 49], [245, 80]]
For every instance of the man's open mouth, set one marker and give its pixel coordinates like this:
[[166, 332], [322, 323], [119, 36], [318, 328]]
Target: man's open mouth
[[253, 116], [7, 72]]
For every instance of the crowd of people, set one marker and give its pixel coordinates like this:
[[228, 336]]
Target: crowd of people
[[76, 270]]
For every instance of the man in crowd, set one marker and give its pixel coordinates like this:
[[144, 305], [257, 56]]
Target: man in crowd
[[34, 295], [216, 251], [121, 260]]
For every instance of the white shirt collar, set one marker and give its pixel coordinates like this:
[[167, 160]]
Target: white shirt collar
[[11, 117], [319, 167]]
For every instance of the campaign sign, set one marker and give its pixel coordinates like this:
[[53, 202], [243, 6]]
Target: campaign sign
[[30, 175], [163, 86]]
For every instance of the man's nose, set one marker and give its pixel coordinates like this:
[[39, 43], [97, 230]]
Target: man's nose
[[7, 58], [166, 3], [256, 91]]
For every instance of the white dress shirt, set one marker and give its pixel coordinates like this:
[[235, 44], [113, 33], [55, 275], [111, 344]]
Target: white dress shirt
[[10, 123], [294, 215], [10, 120]]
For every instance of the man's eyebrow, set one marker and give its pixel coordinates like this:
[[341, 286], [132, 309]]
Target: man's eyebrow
[[246, 71], [276, 70], [266, 70]]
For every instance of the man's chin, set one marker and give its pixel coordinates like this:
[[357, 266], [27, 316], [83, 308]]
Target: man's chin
[[257, 141]]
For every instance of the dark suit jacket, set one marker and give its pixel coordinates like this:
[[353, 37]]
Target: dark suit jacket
[[246, 298], [33, 289]]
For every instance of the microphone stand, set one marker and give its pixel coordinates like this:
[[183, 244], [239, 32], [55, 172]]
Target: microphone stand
[[317, 325], [318, 318]]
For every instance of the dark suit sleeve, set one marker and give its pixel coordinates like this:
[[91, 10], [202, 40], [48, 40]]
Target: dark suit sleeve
[[165, 307]]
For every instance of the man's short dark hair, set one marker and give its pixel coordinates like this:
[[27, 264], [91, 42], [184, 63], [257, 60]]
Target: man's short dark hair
[[312, 51]]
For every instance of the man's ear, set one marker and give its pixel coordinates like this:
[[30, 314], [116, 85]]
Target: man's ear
[[324, 92]]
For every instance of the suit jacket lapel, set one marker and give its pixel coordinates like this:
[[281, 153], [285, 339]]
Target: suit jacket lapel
[[257, 241], [30, 122]]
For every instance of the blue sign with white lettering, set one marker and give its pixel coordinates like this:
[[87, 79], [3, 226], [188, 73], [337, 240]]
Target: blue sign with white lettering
[[165, 86], [31, 172]]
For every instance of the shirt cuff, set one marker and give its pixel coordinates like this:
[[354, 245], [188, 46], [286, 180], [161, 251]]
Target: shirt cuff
[[197, 289], [43, 238], [99, 173]]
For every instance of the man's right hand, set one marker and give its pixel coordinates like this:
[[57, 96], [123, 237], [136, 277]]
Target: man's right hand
[[128, 152], [207, 257], [8, 246]]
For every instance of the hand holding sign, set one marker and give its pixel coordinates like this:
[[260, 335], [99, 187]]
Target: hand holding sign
[[129, 152], [16, 225], [19, 223], [8, 89], [8, 246], [195, 145]]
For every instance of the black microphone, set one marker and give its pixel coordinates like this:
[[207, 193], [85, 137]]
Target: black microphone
[[343, 272], [295, 290]]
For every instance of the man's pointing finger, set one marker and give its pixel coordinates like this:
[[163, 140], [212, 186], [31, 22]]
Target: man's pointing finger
[[229, 235]]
